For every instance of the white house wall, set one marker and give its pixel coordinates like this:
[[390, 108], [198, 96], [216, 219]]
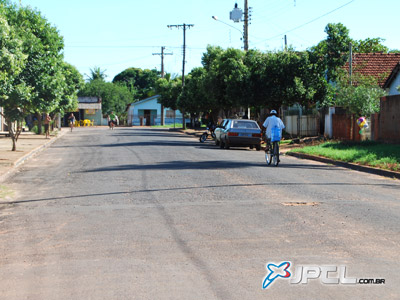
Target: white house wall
[[393, 87], [153, 105]]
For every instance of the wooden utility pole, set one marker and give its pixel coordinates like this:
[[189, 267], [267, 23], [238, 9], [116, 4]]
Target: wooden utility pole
[[184, 26], [162, 76]]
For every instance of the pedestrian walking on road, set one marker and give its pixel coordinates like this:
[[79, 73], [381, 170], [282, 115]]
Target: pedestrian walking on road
[[71, 119], [47, 120]]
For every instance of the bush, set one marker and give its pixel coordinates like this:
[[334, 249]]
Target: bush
[[35, 129]]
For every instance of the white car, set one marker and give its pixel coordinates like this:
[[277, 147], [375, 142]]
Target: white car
[[218, 130]]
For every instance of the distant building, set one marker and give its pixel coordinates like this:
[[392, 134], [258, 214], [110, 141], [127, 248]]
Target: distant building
[[89, 108], [147, 112]]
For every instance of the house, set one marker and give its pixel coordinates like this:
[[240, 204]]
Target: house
[[393, 81], [381, 66], [88, 108], [147, 112], [378, 65]]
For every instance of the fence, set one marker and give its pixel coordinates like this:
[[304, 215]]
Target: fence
[[298, 124]]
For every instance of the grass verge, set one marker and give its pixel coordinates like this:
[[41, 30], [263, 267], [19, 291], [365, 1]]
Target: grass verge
[[385, 156], [177, 125]]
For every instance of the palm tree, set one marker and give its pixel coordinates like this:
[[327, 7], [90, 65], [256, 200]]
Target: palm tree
[[97, 74]]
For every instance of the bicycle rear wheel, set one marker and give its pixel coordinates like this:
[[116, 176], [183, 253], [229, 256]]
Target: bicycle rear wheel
[[268, 156], [276, 154]]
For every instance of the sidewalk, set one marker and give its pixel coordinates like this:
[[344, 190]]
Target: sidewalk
[[28, 145]]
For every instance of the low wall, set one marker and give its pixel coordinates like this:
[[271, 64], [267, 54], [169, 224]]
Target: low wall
[[389, 119]]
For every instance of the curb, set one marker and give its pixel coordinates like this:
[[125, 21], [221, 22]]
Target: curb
[[30, 154], [371, 170]]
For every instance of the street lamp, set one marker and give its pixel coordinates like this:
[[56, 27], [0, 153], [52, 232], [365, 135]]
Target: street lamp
[[216, 19]]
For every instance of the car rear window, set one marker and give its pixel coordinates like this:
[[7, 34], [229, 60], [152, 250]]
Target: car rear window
[[245, 124]]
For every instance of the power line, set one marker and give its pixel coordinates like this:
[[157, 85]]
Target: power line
[[293, 29]]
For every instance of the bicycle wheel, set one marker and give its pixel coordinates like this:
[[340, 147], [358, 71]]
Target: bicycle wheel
[[276, 154], [268, 156], [203, 137]]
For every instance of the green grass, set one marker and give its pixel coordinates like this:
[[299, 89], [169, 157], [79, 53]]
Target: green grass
[[369, 153], [285, 142], [177, 125]]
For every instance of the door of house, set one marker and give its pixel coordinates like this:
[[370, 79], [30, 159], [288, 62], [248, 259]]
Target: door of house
[[147, 115]]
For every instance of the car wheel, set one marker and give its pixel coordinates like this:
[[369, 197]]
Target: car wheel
[[258, 147], [251, 147]]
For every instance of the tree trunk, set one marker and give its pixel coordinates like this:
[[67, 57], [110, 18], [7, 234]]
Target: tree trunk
[[12, 134], [39, 119]]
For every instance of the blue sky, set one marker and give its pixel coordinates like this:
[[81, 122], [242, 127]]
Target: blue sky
[[115, 35]]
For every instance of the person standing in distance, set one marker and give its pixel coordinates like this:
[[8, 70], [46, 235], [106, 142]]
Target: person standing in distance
[[71, 120], [47, 120], [271, 122]]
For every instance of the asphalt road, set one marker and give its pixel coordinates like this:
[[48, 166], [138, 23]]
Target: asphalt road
[[140, 213]]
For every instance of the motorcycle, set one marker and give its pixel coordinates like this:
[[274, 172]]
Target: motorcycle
[[206, 134]]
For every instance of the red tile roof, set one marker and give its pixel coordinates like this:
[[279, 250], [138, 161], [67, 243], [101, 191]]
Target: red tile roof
[[378, 65]]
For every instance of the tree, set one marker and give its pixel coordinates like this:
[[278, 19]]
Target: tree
[[333, 51], [33, 76], [169, 91], [284, 78], [370, 45], [140, 82], [114, 97], [73, 82], [225, 77], [97, 74], [14, 95], [43, 69], [193, 98], [361, 99]]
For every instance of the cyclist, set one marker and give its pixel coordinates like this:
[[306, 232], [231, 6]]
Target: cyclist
[[271, 122], [112, 120]]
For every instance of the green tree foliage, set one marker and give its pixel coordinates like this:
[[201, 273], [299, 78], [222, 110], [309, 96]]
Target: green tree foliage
[[33, 76], [141, 83], [14, 95], [333, 51], [193, 97], [97, 74], [225, 78], [362, 98], [169, 91], [73, 82], [370, 45], [114, 97], [43, 69]]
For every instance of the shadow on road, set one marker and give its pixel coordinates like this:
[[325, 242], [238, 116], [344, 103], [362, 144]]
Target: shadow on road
[[205, 165], [385, 185]]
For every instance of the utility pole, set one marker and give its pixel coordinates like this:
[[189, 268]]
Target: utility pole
[[236, 16], [246, 26], [350, 62], [184, 26], [162, 76]]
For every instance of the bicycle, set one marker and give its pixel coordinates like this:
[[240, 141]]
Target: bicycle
[[204, 136], [272, 153]]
